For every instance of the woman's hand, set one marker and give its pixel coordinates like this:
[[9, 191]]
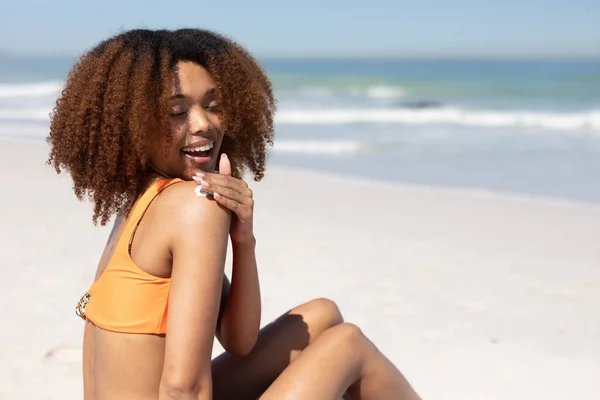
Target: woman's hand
[[235, 195]]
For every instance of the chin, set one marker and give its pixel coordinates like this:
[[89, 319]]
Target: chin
[[204, 168]]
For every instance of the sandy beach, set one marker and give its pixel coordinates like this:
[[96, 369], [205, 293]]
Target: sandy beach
[[472, 294]]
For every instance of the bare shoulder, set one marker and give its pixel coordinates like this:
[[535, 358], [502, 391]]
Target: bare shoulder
[[179, 204]]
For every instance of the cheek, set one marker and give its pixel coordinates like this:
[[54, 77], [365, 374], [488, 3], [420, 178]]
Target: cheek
[[178, 136], [178, 128], [221, 141], [220, 124], [164, 150]]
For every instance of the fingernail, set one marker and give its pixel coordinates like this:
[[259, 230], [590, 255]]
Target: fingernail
[[223, 155], [197, 178], [216, 195], [200, 174], [204, 183]]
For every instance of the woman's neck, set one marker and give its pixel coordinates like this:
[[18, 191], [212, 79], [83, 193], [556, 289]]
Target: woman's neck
[[157, 174]]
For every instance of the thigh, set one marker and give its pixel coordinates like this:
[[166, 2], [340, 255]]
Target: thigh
[[325, 370], [341, 362], [279, 343]]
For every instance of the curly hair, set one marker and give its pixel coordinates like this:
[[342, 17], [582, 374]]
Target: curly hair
[[115, 101]]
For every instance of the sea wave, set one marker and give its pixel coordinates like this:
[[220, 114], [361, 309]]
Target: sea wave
[[30, 89], [385, 92], [448, 116], [25, 114], [580, 121], [375, 92], [318, 146], [560, 121]]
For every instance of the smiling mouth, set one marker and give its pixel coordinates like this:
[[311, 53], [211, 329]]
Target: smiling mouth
[[203, 151]]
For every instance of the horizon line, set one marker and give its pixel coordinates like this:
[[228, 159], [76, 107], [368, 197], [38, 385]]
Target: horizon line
[[356, 57]]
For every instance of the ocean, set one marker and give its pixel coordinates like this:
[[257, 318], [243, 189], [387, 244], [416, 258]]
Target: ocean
[[524, 127]]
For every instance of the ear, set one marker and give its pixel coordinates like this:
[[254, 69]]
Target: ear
[[224, 165]]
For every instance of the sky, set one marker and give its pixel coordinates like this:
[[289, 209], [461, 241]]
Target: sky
[[320, 28]]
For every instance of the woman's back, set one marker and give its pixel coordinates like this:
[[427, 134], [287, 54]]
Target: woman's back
[[126, 313], [121, 366]]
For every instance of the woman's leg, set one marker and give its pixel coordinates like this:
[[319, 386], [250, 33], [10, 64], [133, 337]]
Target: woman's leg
[[341, 362], [279, 343]]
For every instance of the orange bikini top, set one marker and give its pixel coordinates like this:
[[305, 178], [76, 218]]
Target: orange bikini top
[[125, 298]]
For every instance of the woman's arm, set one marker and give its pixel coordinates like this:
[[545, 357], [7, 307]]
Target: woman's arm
[[198, 232], [239, 322], [239, 319]]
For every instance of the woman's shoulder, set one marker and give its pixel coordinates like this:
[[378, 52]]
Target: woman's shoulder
[[181, 203], [183, 219]]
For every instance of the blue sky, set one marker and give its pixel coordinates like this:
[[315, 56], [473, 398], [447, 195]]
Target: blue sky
[[425, 28]]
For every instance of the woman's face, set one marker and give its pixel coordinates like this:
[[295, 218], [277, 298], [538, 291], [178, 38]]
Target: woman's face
[[195, 125]]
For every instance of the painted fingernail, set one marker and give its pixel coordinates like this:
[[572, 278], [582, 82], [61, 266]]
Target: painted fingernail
[[200, 174], [223, 155], [204, 183], [216, 195], [197, 178]]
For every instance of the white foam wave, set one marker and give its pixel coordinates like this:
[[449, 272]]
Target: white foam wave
[[385, 92], [576, 121], [379, 92], [28, 114], [317, 146], [452, 116], [30, 89]]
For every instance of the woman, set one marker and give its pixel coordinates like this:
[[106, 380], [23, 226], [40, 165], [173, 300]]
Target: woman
[[142, 116]]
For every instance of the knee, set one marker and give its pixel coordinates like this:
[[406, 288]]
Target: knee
[[319, 315], [348, 335], [323, 313], [347, 340]]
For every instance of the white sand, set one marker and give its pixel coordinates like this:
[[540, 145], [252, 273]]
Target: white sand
[[473, 295]]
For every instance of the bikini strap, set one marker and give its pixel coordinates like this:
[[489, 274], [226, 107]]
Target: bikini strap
[[145, 201]]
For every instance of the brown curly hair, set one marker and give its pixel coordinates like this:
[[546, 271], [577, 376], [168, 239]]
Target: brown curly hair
[[115, 101]]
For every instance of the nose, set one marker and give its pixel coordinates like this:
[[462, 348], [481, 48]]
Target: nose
[[199, 122]]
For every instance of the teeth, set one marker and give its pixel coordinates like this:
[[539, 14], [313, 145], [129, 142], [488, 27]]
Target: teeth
[[200, 148]]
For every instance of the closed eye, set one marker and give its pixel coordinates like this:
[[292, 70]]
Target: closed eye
[[178, 113], [213, 107]]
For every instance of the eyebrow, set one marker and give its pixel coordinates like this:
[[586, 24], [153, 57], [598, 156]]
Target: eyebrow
[[183, 96]]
